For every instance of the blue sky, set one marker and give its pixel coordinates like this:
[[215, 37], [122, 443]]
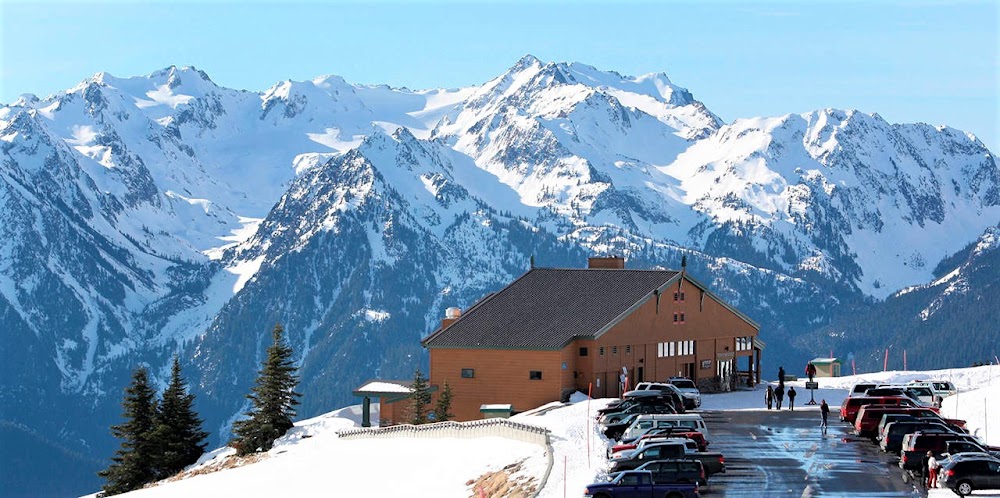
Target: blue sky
[[915, 61]]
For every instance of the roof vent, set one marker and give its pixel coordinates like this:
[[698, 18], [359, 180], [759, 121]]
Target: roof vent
[[453, 312]]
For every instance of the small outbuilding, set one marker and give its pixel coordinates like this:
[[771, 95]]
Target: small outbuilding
[[827, 367], [389, 394]]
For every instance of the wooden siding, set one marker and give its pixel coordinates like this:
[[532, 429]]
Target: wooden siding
[[633, 342], [501, 376]]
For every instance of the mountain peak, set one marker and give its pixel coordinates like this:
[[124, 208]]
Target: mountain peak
[[527, 61]]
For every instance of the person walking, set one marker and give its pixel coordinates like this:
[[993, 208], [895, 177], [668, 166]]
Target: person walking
[[924, 466], [769, 396], [932, 471], [791, 398], [824, 411], [781, 376], [779, 394]]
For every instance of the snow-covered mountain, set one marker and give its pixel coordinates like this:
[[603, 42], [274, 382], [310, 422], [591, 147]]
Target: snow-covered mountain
[[150, 215]]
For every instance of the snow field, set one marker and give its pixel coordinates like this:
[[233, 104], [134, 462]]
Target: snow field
[[312, 461]]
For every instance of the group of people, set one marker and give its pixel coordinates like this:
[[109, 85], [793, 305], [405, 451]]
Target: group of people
[[776, 395]]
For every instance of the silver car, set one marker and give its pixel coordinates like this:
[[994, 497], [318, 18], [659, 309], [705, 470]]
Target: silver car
[[688, 389]]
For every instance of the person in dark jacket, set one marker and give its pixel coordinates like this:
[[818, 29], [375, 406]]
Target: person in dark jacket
[[924, 473], [769, 396], [781, 376], [779, 395], [824, 411], [811, 371], [791, 398]]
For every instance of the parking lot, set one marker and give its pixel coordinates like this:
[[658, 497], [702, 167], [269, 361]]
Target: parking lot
[[772, 453]]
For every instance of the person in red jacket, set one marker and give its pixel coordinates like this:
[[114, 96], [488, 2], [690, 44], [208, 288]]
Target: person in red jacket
[[811, 371]]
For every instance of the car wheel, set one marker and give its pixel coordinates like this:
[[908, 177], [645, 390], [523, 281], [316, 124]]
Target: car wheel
[[964, 488]]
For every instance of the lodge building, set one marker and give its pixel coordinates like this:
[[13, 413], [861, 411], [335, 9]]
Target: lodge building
[[600, 329]]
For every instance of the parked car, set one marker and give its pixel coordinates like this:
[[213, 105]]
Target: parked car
[[676, 471], [615, 431], [622, 404], [890, 390], [860, 388], [690, 421], [644, 389], [917, 444], [849, 408], [688, 389], [639, 484], [869, 416], [970, 447], [713, 462], [684, 432], [941, 388], [689, 445], [641, 408], [891, 439], [965, 475]]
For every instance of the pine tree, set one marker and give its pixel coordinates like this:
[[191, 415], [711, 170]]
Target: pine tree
[[442, 411], [178, 438], [134, 462], [421, 398], [273, 399]]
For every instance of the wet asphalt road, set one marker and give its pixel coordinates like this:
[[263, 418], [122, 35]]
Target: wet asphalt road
[[785, 454]]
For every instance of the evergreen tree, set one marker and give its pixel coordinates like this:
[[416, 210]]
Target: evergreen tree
[[133, 464], [178, 438], [273, 399], [442, 411], [421, 398]]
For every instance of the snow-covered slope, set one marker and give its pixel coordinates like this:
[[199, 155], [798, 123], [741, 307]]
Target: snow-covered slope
[[150, 215], [312, 461]]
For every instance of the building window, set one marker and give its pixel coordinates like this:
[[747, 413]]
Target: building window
[[659, 350], [583, 351], [468, 373], [670, 349], [535, 375], [614, 349], [682, 296], [682, 317], [678, 296], [600, 351], [676, 317], [628, 349]]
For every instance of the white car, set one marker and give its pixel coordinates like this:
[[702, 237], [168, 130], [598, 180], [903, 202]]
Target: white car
[[688, 389]]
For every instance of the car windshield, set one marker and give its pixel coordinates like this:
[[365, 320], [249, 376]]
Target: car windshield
[[684, 384]]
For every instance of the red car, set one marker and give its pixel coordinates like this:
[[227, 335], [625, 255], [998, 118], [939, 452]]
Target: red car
[[869, 416], [849, 408]]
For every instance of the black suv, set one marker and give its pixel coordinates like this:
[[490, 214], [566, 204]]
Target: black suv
[[966, 474]]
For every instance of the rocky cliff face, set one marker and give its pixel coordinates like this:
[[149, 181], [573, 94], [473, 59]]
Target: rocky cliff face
[[158, 214]]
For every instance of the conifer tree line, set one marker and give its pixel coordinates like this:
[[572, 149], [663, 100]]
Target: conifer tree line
[[159, 438]]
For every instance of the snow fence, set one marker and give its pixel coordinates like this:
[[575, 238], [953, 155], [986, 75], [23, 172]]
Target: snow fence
[[495, 427]]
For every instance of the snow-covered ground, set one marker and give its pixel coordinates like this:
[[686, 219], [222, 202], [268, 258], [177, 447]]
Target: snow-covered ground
[[312, 461]]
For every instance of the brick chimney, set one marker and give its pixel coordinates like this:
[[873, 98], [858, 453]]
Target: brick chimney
[[607, 262], [450, 316]]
